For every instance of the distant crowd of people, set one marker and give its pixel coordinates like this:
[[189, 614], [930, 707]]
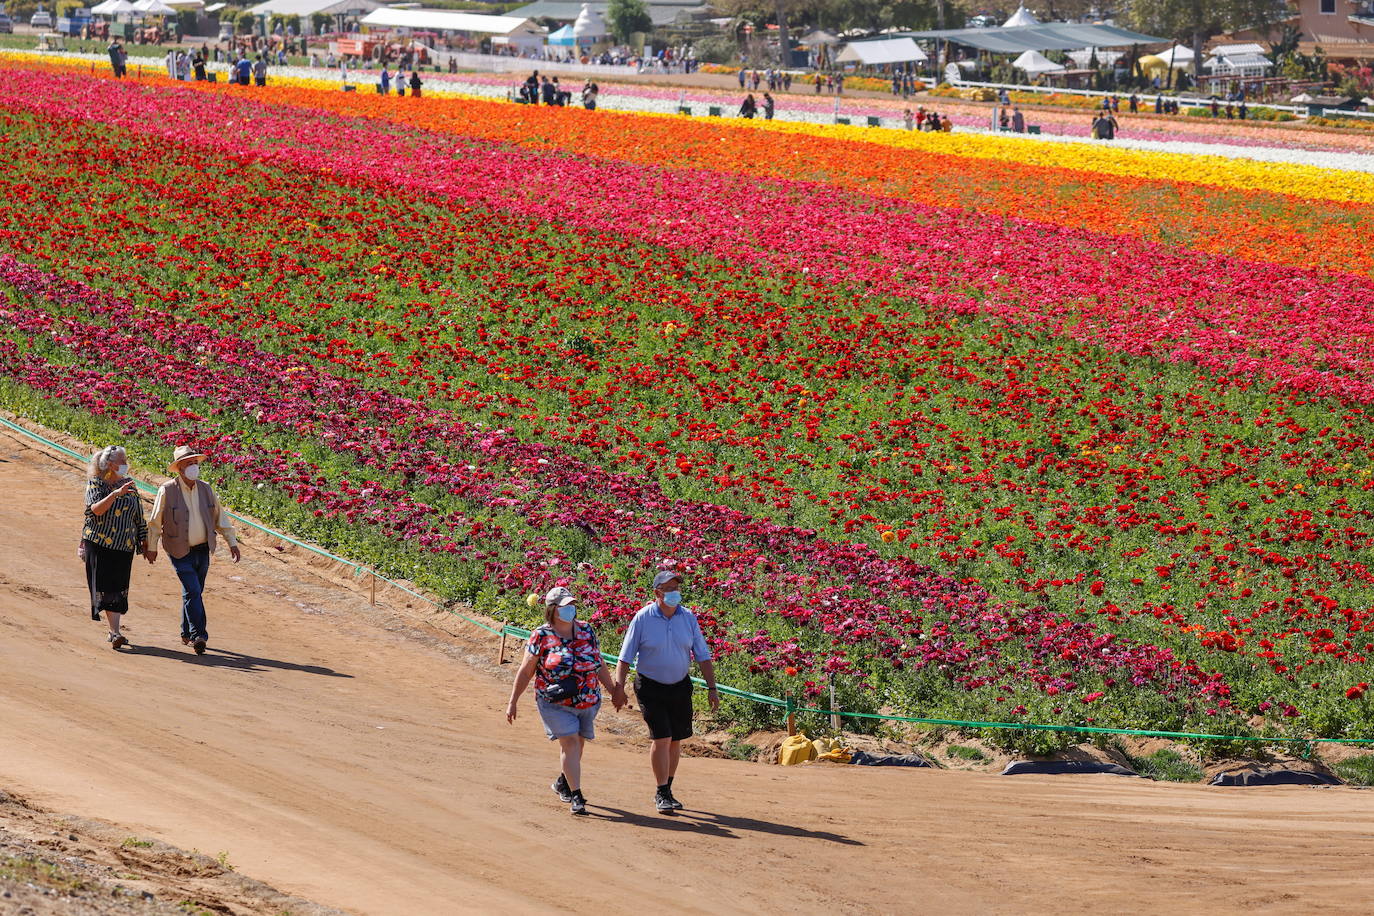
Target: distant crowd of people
[[547, 90], [775, 80]]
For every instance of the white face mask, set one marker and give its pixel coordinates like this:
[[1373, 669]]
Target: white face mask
[[192, 473], [122, 470]]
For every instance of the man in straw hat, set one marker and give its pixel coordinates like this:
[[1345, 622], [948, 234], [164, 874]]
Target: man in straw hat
[[187, 516]]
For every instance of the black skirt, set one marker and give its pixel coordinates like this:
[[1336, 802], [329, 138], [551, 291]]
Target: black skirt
[[107, 575]]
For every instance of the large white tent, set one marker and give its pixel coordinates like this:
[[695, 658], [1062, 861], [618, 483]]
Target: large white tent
[[883, 51], [1022, 16], [1034, 62], [1178, 57], [113, 8], [590, 26]]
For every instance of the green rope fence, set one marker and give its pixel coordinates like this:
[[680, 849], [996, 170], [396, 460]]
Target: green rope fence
[[786, 703]]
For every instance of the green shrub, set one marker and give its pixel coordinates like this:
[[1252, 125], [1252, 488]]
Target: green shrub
[[1358, 771]]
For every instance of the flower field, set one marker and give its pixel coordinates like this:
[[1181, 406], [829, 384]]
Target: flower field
[[1084, 439]]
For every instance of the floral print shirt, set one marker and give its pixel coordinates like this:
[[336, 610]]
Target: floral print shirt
[[579, 656]]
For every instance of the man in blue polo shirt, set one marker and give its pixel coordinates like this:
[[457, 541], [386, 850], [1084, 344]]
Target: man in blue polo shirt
[[661, 642]]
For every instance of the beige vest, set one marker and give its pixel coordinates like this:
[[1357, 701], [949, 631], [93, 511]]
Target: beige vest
[[176, 516]]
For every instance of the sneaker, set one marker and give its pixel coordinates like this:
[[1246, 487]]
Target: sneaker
[[578, 804], [117, 642], [186, 641], [664, 802], [560, 788], [677, 805], [199, 646]]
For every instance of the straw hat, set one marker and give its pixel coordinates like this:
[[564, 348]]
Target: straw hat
[[182, 453]]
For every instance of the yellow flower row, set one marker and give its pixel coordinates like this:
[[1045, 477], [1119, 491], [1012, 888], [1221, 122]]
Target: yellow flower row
[[1308, 181]]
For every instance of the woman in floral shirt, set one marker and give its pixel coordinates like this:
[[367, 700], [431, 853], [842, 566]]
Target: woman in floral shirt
[[563, 657], [112, 533]]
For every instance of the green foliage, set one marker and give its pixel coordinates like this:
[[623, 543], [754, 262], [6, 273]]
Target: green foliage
[[1165, 765], [1357, 771], [625, 17], [964, 752], [717, 49], [738, 749], [1186, 20]]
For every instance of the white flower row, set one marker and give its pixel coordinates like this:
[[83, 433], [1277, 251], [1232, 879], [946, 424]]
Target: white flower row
[[610, 99]]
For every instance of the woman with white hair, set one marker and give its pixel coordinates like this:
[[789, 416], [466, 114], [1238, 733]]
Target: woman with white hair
[[113, 532]]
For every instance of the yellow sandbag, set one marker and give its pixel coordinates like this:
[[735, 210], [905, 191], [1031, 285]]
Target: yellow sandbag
[[831, 749], [796, 749]]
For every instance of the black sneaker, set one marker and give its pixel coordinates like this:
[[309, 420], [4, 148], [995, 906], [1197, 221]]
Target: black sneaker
[[560, 788], [578, 804], [199, 646], [677, 805], [664, 802]]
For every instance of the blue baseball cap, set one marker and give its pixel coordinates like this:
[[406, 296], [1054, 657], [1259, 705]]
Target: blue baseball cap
[[665, 576]]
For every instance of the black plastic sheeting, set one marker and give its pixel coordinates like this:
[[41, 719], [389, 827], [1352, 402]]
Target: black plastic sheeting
[[1064, 767], [864, 759], [1274, 778]]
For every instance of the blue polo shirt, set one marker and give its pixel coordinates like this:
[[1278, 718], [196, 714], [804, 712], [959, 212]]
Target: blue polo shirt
[[662, 648]]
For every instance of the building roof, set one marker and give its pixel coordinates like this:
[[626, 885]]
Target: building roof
[[1237, 62], [443, 21], [662, 12], [1048, 36], [883, 51], [311, 7]]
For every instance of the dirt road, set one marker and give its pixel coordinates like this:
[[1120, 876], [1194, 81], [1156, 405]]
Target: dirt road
[[356, 758]]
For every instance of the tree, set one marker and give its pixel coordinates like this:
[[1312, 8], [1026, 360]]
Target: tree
[[626, 17], [1195, 21]]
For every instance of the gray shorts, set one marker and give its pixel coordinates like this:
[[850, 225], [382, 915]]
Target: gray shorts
[[564, 721]]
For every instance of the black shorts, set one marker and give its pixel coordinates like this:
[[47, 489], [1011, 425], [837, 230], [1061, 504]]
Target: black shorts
[[667, 708]]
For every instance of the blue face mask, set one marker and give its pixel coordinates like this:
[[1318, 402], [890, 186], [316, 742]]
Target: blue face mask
[[567, 613], [673, 598]]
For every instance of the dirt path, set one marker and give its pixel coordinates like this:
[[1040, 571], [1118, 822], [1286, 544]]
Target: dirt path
[[338, 753]]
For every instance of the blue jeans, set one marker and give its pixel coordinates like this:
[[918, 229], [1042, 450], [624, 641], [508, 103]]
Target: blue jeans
[[192, 570]]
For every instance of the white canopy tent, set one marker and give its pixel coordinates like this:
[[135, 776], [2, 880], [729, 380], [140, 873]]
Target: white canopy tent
[[883, 51], [1022, 16], [113, 8], [1178, 57], [590, 27], [1033, 62], [153, 8]]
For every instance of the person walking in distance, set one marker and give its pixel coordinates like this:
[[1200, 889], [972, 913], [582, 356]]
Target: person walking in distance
[[187, 517], [661, 642], [563, 657], [113, 531]]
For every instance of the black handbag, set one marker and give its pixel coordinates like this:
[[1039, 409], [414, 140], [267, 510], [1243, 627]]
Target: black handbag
[[564, 689]]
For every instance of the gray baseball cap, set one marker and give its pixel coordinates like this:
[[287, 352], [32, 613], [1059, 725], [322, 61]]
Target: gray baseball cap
[[559, 596], [665, 576]]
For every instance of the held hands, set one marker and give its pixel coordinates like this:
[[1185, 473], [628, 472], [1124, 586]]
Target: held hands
[[150, 555], [618, 698]]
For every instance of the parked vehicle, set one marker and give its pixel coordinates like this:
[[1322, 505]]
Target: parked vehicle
[[6, 24], [41, 19]]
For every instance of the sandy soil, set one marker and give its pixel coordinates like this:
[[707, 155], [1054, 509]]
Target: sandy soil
[[359, 758], [56, 863]]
